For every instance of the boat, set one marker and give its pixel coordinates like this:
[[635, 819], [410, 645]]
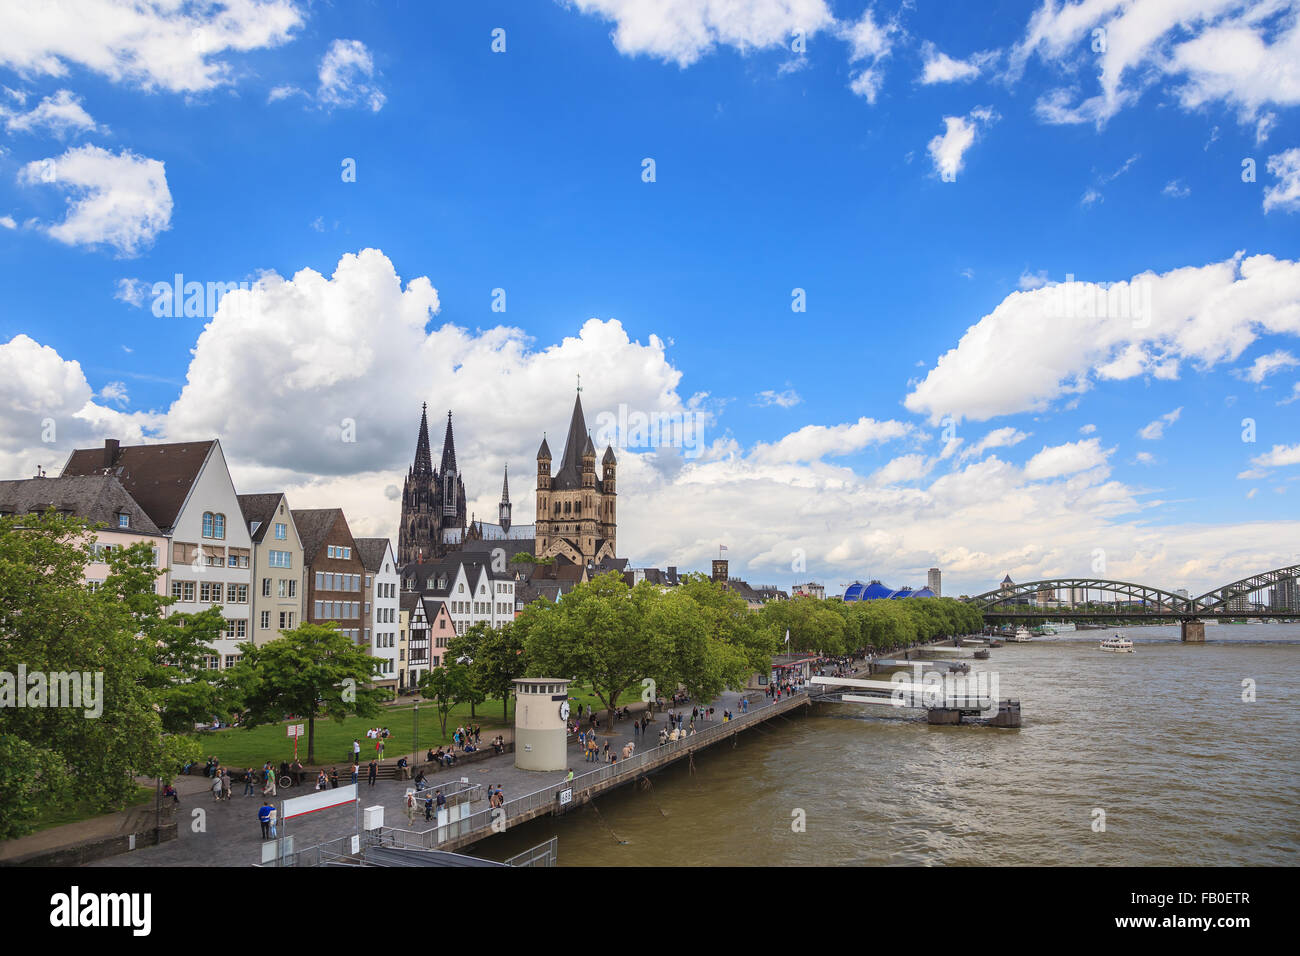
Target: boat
[[959, 668], [1060, 627], [1117, 645], [995, 643], [1022, 636], [982, 654]]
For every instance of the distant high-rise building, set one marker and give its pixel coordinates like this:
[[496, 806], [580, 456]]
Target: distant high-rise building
[[934, 582], [1285, 596]]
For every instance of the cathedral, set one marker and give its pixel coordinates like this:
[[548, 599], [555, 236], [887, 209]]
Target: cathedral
[[576, 519]]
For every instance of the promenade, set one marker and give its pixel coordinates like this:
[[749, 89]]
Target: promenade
[[227, 833]]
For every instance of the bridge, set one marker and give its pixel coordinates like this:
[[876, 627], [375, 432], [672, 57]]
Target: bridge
[[1106, 601]]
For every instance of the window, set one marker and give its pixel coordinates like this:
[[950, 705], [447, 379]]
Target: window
[[218, 526], [124, 521], [280, 559], [286, 620], [236, 593], [232, 659], [284, 588], [329, 551], [293, 587], [209, 593], [281, 531], [266, 620], [266, 587], [207, 524]]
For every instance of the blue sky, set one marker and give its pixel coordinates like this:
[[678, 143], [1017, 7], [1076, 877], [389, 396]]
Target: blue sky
[[522, 170]]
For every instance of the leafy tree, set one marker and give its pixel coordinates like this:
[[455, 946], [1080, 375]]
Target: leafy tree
[[52, 622], [499, 659], [187, 691], [312, 671], [449, 685]]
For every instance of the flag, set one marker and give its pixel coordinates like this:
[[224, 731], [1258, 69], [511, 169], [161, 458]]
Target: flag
[[722, 547], [787, 635]]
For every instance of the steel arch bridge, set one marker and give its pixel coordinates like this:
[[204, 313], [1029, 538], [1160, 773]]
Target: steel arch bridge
[[1134, 600]]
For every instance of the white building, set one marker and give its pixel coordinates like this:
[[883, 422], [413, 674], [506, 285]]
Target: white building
[[383, 607], [472, 591], [186, 490]]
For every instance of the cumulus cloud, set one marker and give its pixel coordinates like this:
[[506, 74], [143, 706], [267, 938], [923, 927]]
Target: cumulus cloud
[[784, 399], [152, 44], [1266, 365], [814, 442], [346, 74], [1061, 338], [60, 114], [1237, 52], [1279, 456], [998, 438], [870, 43], [120, 200], [131, 291], [682, 31], [939, 67], [1057, 461], [1285, 193], [948, 151]]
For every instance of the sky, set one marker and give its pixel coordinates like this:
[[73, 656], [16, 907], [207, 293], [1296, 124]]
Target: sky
[[999, 288]]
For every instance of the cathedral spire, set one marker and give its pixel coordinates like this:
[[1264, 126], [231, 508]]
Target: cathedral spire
[[423, 460], [448, 450], [505, 486], [503, 509]]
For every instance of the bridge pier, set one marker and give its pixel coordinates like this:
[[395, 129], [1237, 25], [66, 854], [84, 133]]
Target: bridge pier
[[1193, 631]]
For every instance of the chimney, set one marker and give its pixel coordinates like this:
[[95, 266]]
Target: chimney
[[110, 451]]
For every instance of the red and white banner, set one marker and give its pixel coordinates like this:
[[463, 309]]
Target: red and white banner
[[320, 800]]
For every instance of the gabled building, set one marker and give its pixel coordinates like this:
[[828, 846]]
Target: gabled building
[[473, 591], [382, 605], [333, 572], [577, 512], [99, 499], [186, 490], [278, 595], [441, 629]]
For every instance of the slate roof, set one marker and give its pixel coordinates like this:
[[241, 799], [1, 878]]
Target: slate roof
[[371, 552], [260, 509], [314, 526], [568, 477], [158, 477], [97, 498]]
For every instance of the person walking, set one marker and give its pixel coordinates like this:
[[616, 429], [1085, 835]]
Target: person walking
[[374, 772], [268, 786], [410, 806], [428, 809], [334, 777], [248, 783], [216, 788], [356, 751], [272, 822], [225, 784], [264, 818], [355, 768], [440, 799]]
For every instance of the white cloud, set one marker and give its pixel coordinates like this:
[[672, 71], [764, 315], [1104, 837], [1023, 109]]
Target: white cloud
[[152, 44], [1060, 337], [1266, 365], [939, 67], [1243, 53], [1285, 194], [1034, 280], [8, 222], [114, 392], [870, 44], [948, 151], [682, 31], [60, 114], [345, 73], [117, 200], [998, 438], [1057, 461], [785, 399], [1145, 458], [815, 442], [1154, 431], [131, 291], [1279, 456], [1087, 429], [1089, 197], [1176, 189]]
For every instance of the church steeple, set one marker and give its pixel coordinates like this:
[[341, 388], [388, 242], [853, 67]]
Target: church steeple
[[449, 449], [423, 459], [503, 509]]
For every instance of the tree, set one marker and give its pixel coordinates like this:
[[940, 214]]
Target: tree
[[499, 659], [64, 633], [449, 685], [739, 642], [600, 633], [312, 671], [187, 690]]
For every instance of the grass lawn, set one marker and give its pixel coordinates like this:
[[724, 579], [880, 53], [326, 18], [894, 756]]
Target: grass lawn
[[239, 747], [56, 815]]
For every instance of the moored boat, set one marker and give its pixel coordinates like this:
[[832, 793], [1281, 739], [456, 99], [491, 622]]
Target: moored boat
[[1117, 645], [1022, 636]]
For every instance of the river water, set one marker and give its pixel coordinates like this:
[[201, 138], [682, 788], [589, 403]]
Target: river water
[[1186, 772]]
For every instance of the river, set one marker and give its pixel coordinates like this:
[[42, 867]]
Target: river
[[1186, 772]]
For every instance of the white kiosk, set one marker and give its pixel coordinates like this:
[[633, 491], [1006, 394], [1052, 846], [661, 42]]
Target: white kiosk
[[541, 723]]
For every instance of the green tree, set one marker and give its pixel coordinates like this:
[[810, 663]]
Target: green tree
[[498, 660], [186, 689], [448, 685], [312, 671]]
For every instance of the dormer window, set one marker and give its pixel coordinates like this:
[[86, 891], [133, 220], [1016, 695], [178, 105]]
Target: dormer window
[[123, 520]]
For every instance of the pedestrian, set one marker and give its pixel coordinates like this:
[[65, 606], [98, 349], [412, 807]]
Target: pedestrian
[[428, 809], [322, 781], [225, 784], [264, 818], [272, 822], [410, 806], [269, 774], [334, 777], [356, 751], [248, 783], [355, 768], [216, 787], [374, 772], [441, 800]]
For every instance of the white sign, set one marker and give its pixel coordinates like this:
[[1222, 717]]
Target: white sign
[[356, 844], [320, 800], [295, 730], [566, 796]]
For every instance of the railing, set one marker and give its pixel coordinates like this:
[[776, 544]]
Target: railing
[[544, 854], [484, 819]]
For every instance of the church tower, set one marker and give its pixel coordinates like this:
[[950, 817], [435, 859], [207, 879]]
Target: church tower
[[576, 518], [433, 500], [503, 509]]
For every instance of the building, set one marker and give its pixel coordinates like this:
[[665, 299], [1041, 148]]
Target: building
[[474, 592], [382, 606], [278, 594], [934, 581], [1045, 596], [415, 626], [332, 571], [433, 500], [577, 512], [101, 500], [810, 589], [873, 590], [186, 490], [1285, 596]]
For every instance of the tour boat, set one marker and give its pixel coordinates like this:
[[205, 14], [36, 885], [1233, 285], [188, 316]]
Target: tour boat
[[1118, 645], [982, 654], [1022, 636]]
